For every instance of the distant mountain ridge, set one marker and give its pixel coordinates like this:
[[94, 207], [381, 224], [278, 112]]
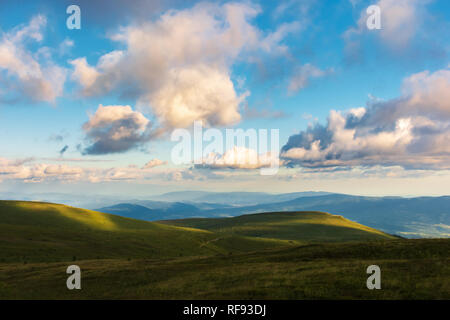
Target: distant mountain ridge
[[156, 211], [234, 198], [419, 217], [408, 217]]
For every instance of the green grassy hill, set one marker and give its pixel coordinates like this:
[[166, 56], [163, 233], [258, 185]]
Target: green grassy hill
[[298, 226], [43, 232], [296, 255]]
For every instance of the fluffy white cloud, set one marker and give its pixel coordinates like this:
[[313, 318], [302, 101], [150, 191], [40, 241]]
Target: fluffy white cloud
[[412, 131], [400, 20], [239, 158], [83, 73], [29, 73], [114, 129], [31, 170], [428, 93], [200, 92], [347, 148], [179, 65], [35, 172], [154, 163]]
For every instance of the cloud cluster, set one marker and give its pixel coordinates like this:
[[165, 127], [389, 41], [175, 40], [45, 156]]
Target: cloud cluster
[[154, 163], [115, 129], [30, 171], [180, 64], [239, 158], [29, 73], [412, 131]]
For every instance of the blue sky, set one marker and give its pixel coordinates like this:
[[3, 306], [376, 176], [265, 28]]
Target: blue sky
[[253, 65]]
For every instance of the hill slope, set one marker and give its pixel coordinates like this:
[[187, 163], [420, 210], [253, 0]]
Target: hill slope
[[43, 232], [301, 226], [36, 231]]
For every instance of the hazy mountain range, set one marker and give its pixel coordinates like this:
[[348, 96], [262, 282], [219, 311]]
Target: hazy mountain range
[[408, 217], [234, 198]]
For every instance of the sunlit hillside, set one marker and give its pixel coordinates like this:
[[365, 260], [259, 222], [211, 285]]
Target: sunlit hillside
[[301, 226], [35, 231]]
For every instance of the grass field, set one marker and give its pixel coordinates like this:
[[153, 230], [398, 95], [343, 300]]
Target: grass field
[[410, 269], [297, 255]]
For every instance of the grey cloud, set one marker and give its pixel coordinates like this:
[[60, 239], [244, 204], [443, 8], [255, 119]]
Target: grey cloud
[[63, 150], [115, 129], [412, 131], [305, 138], [104, 143]]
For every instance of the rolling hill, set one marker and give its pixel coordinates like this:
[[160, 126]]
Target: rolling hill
[[284, 255], [300, 226], [34, 231]]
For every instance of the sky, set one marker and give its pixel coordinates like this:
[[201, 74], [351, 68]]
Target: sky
[[94, 109]]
